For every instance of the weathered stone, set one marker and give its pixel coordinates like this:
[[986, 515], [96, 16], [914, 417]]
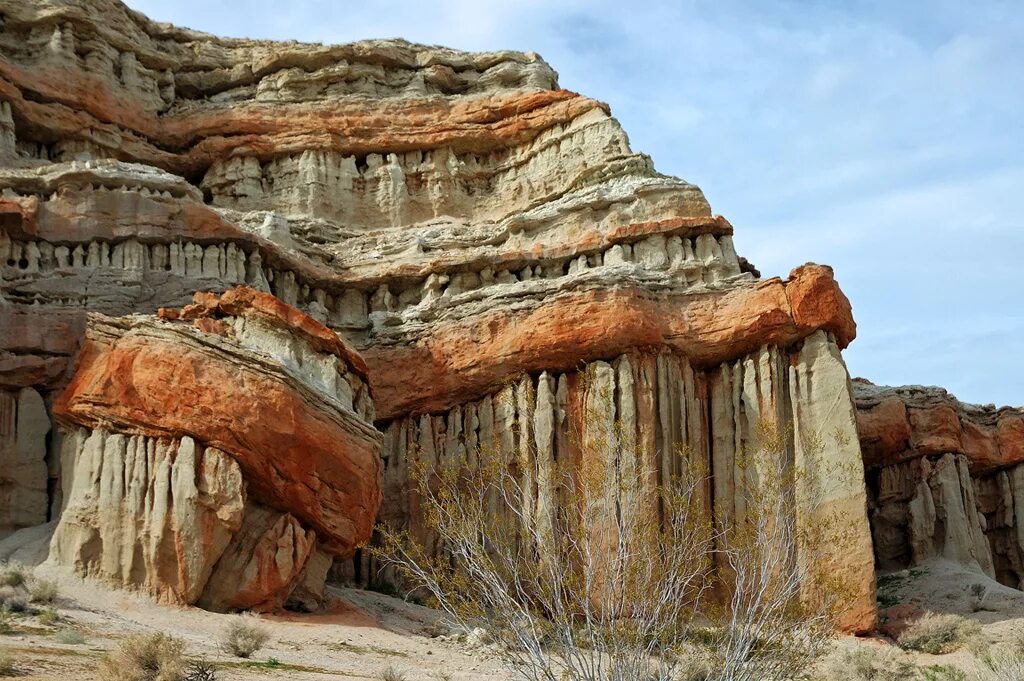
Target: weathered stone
[[148, 513], [261, 565], [24, 425]]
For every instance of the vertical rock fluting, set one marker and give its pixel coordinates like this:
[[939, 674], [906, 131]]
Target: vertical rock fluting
[[666, 411], [944, 480], [208, 453], [24, 426], [514, 274]]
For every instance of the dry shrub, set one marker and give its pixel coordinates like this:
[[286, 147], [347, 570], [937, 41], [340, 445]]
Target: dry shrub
[[146, 657], [243, 637], [610, 577], [1005, 663], [43, 591], [69, 636], [872, 663], [13, 575], [7, 666], [201, 670], [392, 674], [937, 634]]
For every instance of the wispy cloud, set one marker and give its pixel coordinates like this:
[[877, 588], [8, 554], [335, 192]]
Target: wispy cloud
[[882, 138]]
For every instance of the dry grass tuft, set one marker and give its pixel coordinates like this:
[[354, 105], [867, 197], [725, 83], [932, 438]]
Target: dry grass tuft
[[146, 657], [937, 634]]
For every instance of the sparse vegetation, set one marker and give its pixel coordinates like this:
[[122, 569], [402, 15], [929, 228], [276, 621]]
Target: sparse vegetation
[[945, 672], [872, 663], [937, 634], [43, 591], [610, 580], [243, 637], [48, 616], [146, 657], [13, 575], [201, 670], [69, 636], [7, 666], [392, 674], [977, 595], [7, 619]]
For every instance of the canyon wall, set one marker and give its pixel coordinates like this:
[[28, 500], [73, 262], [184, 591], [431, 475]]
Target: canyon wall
[[489, 247], [945, 480]]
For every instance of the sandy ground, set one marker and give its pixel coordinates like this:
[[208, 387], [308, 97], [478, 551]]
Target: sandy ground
[[358, 636], [361, 634]]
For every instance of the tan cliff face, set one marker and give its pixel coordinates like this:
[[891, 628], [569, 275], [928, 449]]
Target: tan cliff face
[[440, 251]]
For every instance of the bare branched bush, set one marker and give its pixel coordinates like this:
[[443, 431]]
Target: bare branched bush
[[146, 657], [201, 670], [936, 634], [392, 674], [612, 575], [243, 637], [43, 591]]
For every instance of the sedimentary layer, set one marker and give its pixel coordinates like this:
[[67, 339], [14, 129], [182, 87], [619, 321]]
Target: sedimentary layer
[[463, 223], [945, 479], [201, 445]]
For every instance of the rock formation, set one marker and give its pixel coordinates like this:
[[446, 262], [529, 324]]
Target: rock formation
[[494, 256], [208, 453], [945, 479]]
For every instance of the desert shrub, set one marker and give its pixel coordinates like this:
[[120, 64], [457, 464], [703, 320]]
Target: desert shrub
[[7, 619], [146, 657], [977, 595], [7, 666], [872, 663], [15, 604], [937, 634], [610, 580], [48, 616], [945, 672], [201, 670], [69, 636], [1006, 664], [13, 575], [43, 591], [392, 674], [243, 637]]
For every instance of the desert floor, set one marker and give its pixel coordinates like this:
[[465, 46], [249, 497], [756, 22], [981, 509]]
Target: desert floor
[[361, 634]]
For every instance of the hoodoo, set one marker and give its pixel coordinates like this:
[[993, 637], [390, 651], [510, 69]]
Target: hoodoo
[[243, 283]]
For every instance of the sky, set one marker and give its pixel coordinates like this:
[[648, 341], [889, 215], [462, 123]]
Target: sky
[[885, 139]]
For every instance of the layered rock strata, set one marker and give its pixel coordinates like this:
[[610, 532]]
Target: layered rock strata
[[208, 453], [461, 220], [945, 479]]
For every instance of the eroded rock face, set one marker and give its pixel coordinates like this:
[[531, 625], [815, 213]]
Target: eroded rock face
[[464, 223], [944, 479], [188, 436]]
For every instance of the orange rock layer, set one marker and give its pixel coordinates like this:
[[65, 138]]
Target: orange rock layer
[[458, 361], [296, 453]]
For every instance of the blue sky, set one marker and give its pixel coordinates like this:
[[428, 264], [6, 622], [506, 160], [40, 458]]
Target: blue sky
[[883, 138]]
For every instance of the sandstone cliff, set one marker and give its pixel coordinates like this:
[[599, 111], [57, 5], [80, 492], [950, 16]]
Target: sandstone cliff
[[945, 479], [489, 246]]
